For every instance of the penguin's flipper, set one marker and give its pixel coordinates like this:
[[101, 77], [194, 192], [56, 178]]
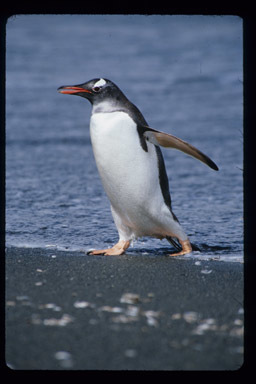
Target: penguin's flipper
[[169, 141]]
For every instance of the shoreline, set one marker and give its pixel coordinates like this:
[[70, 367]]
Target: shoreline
[[70, 311], [201, 255]]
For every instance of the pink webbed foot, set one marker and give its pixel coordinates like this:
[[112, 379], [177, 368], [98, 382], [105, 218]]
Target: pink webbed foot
[[186, 248], [117, 249]]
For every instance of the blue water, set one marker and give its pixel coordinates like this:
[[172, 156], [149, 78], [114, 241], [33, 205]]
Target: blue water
[[185, 75]]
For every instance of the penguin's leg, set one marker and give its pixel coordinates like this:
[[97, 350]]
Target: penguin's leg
[[186, 248], [178, 233], [125, 237]]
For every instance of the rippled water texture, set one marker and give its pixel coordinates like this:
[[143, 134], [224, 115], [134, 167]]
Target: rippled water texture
[[185, 75]]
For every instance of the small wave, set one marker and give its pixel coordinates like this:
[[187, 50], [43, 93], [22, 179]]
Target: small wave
[[49, 141]]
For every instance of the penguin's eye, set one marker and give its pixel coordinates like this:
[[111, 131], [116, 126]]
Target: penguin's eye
[[96, 89]]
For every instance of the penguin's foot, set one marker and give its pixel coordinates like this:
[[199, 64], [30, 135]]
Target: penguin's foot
[[117, 249], [186, 248]]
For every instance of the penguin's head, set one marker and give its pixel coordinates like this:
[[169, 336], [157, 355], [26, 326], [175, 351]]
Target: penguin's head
[[96, 90]]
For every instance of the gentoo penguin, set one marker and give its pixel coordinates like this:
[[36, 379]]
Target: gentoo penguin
[[131, 167]]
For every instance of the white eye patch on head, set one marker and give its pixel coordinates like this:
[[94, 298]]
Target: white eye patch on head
[[100, 83]]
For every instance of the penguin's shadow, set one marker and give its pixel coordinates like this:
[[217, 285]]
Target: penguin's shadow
[[215, 248], [202, 248]]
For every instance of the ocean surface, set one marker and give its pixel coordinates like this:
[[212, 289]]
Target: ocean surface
[[185, 73]]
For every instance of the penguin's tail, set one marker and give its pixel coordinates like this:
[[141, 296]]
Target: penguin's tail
[[177, 245], [195, 248]]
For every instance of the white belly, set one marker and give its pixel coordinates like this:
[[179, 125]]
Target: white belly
[[129, 174]]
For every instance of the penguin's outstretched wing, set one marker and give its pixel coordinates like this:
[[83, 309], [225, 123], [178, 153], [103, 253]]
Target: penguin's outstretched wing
[[169, 141]]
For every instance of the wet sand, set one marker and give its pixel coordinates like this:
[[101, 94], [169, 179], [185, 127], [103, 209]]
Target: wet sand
[[70, 311]]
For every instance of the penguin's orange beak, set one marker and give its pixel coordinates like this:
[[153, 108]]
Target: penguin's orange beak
[[71, 90]]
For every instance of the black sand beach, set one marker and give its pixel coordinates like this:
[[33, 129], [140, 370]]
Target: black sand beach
[[69, 311]]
